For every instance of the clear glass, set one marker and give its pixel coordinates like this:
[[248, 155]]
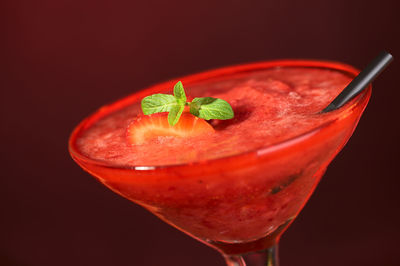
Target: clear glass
[[254, 196]]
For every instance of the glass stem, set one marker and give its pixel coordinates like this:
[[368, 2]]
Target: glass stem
[[266, 257]]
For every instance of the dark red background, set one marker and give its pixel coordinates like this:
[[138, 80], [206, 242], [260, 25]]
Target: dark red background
[[63, 59]]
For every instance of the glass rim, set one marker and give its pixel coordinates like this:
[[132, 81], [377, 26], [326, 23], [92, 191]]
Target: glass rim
[[202, 76]]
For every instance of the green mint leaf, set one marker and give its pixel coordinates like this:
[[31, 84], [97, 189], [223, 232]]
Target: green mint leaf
[[175, 113], [158, 103], [211, 108], [179, 92]]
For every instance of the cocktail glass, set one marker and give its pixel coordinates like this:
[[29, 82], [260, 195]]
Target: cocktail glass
[[241, 204]]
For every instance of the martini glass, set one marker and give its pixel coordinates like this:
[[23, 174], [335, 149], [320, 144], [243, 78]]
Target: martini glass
[[241, 204]]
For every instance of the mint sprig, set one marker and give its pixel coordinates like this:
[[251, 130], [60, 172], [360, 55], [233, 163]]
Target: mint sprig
[[205, 108]]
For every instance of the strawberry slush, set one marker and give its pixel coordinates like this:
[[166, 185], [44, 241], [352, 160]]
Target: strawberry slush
[[270, 106], [247, 179]]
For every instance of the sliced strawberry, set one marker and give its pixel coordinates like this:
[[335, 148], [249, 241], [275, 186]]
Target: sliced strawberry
[[148, 127]]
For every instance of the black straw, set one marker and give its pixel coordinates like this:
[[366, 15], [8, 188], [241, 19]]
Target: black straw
[[361, 81]]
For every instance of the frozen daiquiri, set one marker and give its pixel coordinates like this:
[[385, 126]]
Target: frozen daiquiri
[[229, 157]]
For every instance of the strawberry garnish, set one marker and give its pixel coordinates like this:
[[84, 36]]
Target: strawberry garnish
[[206, 108], [146, 128]]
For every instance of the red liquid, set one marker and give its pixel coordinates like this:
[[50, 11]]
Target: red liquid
[[239, 188]]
